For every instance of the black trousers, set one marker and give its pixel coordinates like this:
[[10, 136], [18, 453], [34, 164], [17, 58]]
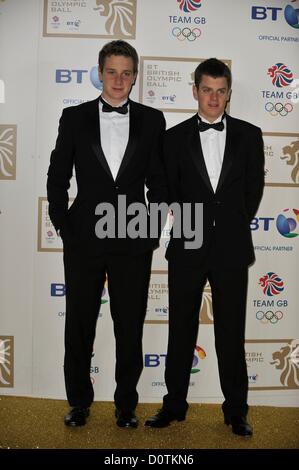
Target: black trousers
[[229, 293], [84, 278]]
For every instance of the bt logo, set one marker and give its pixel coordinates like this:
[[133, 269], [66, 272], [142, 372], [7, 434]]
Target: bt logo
[[262, 223], [261, 13], [291, 14], [77, 76], [285, 225], [169, 98], [155, 360], [58, 290]]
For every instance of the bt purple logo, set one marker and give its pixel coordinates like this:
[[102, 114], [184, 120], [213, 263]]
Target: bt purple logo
[[286, 225], [291, 15], [199, 354], [252, 378]]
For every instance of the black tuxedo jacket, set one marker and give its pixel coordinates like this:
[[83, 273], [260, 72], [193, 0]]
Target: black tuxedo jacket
[[78, 146], [227, 213]]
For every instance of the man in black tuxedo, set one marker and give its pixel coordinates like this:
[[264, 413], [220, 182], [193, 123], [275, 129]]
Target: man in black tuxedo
[[217, 160], [115, 146]]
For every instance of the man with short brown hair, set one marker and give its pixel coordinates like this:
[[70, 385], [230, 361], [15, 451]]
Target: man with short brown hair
[[114, 144]]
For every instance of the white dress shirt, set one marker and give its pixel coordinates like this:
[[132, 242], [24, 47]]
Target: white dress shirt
[[114, 130], [213, 144]]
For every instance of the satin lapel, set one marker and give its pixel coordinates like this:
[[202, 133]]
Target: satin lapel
[[231, 140], [196, 152], [134, 133], [95, 136]]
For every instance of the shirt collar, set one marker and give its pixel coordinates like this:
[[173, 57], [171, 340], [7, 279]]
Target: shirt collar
[[120, 104], [213, 122], [222, 117]]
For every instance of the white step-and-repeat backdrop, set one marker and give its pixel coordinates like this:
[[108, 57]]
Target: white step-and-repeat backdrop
[[48, 61]]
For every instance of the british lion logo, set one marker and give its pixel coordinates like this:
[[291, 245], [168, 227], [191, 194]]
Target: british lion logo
[[8, 138], [121, 17], [271, 284], [287, 361], [291, 155], [6, 361]]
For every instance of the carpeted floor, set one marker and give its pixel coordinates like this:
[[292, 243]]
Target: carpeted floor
[[31, 423]]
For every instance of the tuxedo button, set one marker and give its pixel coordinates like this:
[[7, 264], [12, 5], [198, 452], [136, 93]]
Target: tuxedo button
[[218, 203], [117, 188]]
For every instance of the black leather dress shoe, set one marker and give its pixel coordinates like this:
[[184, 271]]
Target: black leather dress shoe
[[76, 416], [162, 419], [126, 419], [239, 425]]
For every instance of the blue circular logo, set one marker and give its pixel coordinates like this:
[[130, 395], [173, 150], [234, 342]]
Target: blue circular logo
[[292, 16], [94, 78]]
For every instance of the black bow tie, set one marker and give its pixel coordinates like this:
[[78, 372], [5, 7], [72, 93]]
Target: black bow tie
[[107, 108], [204, 126]]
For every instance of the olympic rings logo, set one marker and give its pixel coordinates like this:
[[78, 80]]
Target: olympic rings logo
[[269, 316], [186, 33], [278, 108]]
